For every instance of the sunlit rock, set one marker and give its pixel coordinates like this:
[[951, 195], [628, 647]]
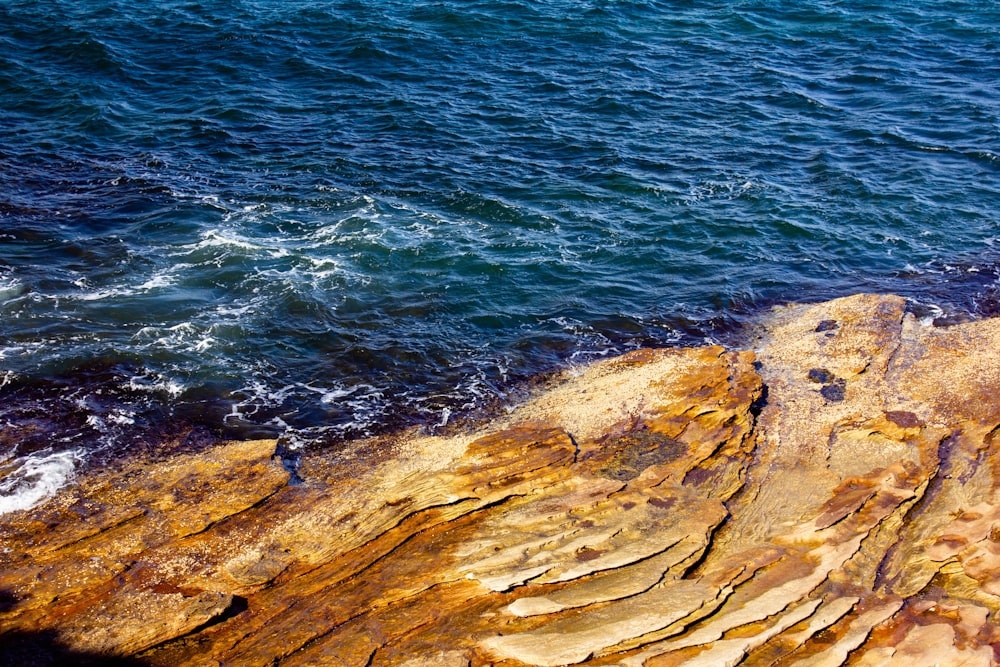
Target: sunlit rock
[[828, 496]]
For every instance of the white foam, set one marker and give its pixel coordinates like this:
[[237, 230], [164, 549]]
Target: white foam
[[259, 396], [934, 311], [324, 266], [184, 328], [731, 188], [213, 238], [158, 280], [122, 417], [204, 344], [210, 200], [224, 239], [185, 336], [154, 384], [10, 288], [21, 350], [235, 413], [335, 394], [104, 424], [584, 356], [102, 294], [365, 405], [35, 478], [228, 310]]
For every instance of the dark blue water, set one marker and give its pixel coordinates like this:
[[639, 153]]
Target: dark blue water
[[321, 219]]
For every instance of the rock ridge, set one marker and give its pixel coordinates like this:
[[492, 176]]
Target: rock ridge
[[828, 496]]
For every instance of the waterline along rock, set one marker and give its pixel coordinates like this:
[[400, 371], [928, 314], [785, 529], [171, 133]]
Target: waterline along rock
[[829, 495]]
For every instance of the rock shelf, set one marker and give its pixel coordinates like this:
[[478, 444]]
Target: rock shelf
[[828, 496]]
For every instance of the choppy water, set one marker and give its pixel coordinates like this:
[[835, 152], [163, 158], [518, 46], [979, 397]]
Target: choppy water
[[318, 219]]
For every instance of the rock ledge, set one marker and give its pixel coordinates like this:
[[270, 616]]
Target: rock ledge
[[830, 497]]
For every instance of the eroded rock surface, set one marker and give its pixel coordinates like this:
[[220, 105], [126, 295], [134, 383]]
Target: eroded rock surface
[[830, 496]]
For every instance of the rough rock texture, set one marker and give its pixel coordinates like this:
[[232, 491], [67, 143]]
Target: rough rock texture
[[830, 497]]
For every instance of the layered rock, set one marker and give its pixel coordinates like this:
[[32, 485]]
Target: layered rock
[[829, 496]]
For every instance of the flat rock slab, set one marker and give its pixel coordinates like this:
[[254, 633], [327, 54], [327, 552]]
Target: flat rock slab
[[829, 495]]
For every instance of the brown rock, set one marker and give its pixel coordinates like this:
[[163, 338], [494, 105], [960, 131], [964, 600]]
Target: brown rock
[[830, 497]]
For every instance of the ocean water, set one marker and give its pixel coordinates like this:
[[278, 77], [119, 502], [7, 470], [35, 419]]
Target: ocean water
[[318, 220]]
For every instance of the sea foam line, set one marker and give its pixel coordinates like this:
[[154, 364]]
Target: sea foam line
[[36, 478]]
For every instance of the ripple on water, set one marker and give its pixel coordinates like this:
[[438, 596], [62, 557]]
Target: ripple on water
[[320, 221]]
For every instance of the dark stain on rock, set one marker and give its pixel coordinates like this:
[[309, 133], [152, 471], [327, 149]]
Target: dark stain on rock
[[636, 450], [820, 375], [698, 476], [903, 418], [834, 392], [587, 553], [827, 325], [663, 503]]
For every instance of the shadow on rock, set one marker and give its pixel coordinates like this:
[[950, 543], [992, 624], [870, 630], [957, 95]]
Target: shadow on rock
[[42, 649]]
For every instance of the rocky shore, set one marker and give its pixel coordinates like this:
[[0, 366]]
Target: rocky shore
[[829, 495]]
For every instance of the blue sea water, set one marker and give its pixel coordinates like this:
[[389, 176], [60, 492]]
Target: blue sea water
[[321, 219]]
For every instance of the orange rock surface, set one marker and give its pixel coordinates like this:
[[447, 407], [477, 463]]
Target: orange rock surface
[[828, 496]]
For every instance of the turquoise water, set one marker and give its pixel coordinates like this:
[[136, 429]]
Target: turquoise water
[[321, 219]]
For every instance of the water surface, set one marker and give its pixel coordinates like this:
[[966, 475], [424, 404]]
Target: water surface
[[322, 219]]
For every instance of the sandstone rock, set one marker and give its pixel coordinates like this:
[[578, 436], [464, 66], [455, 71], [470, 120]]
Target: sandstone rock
[[829, 496]]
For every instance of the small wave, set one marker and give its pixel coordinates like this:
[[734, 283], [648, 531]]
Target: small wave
[[99, 295], [352, 411], [10, 288], [106, 423], [154, 383], [325, 267], [213, 239], [235, 311], [927, 312], [730, 188], [157, 281], [331, 395], [212, 201], [23, 350], [35, 478], [185, 336], [985, 156]]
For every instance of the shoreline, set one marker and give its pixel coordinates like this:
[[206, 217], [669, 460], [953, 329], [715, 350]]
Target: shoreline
[[123, 425], [828, 490]]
